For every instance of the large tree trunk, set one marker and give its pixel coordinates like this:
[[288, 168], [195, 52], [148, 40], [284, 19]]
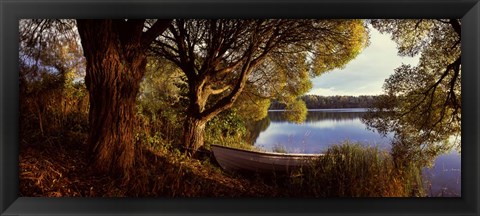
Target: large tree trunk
[[115, 67], [194, 133]]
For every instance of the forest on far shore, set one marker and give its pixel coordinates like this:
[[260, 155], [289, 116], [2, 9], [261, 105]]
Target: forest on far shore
[[332, 102]]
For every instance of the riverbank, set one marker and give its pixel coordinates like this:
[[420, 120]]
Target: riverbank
[[58, 169]]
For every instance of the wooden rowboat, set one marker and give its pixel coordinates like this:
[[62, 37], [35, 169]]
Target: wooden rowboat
[[232, 159]]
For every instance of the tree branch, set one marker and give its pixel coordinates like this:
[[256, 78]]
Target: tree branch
[[229, 100], [218, 91], [451, 66], [157, 29]]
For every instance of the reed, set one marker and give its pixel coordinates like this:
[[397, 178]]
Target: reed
[[353, 170]]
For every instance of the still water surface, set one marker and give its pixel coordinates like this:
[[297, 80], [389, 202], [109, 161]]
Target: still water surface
[[326, 127]]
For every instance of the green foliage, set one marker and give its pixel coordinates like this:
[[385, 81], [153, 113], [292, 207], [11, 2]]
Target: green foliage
[[161, 86], [296, 111], [226, 128], [250, 106], [160, 106]]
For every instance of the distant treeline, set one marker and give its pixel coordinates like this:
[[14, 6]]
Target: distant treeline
[[331, 102], [313, 117]]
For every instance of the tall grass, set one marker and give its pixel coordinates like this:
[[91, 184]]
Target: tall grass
[[352, 170]]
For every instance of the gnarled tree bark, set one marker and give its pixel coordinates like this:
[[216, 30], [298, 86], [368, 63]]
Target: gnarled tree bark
[[116, 61]]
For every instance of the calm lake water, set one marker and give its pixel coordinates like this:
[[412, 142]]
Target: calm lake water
[[326, 127]]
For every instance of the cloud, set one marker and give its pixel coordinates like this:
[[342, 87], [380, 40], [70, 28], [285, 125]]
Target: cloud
[[365, 74]]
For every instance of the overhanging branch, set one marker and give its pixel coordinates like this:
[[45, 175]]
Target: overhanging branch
[[157, 28]]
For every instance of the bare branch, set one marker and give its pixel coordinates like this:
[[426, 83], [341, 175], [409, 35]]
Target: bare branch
[[433, 87], [157, 28]]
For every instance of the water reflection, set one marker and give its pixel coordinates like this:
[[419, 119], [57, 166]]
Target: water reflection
[[324, 128], [444, 178]]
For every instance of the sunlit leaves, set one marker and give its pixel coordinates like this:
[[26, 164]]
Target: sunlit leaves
[[296, 111], [161, 85], [251, 106], [342, 43], [411, 36]]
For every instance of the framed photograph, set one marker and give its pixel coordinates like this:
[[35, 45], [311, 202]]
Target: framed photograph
[[239, 108]]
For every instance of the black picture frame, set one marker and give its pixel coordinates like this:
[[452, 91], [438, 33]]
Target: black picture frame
[[11, 11]]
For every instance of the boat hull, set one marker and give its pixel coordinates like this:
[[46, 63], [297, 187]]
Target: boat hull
[[239, 160]]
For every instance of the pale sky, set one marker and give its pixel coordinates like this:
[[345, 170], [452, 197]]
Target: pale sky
[[365, 74]]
